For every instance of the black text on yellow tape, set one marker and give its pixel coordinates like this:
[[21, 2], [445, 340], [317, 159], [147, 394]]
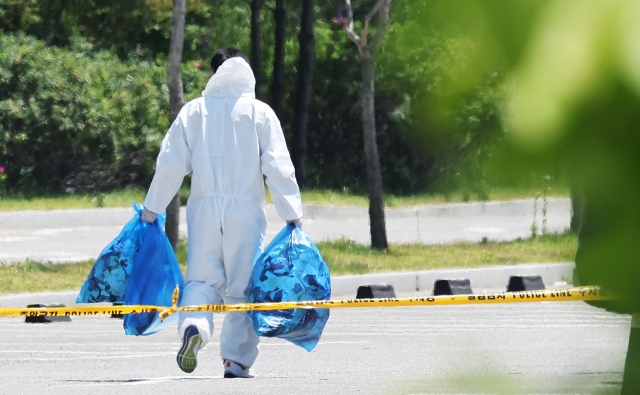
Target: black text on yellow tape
[[551, 295], [77, 311]]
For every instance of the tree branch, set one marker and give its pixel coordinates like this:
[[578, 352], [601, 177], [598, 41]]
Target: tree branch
[[383, 26], [375, 9], [349, 27], [367, 20]]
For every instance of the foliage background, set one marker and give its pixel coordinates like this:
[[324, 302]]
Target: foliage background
[[87, 113]]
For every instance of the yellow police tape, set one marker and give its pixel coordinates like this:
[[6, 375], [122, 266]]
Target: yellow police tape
[[587, 293]]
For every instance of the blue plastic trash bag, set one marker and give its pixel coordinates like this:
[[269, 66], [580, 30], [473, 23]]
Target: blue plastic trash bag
[[290, 269], [107, 280], [155, 275]]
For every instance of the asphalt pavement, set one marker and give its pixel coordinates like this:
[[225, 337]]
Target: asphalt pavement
[[537, 348], [78, 235]]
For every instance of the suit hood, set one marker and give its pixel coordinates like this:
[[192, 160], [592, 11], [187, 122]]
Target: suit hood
[[233, 78]]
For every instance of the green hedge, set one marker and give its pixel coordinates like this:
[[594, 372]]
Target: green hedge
[[82, 119], [79, 119]]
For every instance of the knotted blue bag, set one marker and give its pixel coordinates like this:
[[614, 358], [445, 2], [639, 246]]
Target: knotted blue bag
[[156, 273], [138, 267], [290, 269], [108, 278]]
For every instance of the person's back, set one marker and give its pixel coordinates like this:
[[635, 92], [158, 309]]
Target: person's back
[[225, 149], [233, 139], [229, 140]]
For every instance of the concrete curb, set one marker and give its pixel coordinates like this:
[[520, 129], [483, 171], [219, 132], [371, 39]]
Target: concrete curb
[[343, 287], [495, 278]]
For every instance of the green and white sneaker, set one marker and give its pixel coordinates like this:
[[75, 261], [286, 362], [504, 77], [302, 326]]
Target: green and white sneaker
[[234, 370], [188, 355]]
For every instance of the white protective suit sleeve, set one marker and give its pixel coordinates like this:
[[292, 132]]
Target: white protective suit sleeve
[[278, 170], [173, 163]]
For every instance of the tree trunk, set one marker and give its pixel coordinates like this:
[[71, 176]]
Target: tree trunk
[[53, 32], [46, 25], [176, 99], [374, 175], [368, 52], [277, 90], [303, 91], [256, 47]]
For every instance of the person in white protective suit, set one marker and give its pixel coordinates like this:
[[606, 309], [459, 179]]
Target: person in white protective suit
[[229, 141]]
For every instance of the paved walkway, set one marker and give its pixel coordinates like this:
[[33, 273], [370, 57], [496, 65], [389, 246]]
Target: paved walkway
[[76, 235]]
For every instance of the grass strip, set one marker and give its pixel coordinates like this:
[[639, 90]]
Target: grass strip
[[395, 201], [38, 277], [124, 197], [348, 257], [342, 256], [121, 198]]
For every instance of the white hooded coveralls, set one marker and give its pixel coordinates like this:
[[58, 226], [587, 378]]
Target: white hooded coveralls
[[229, 140]]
